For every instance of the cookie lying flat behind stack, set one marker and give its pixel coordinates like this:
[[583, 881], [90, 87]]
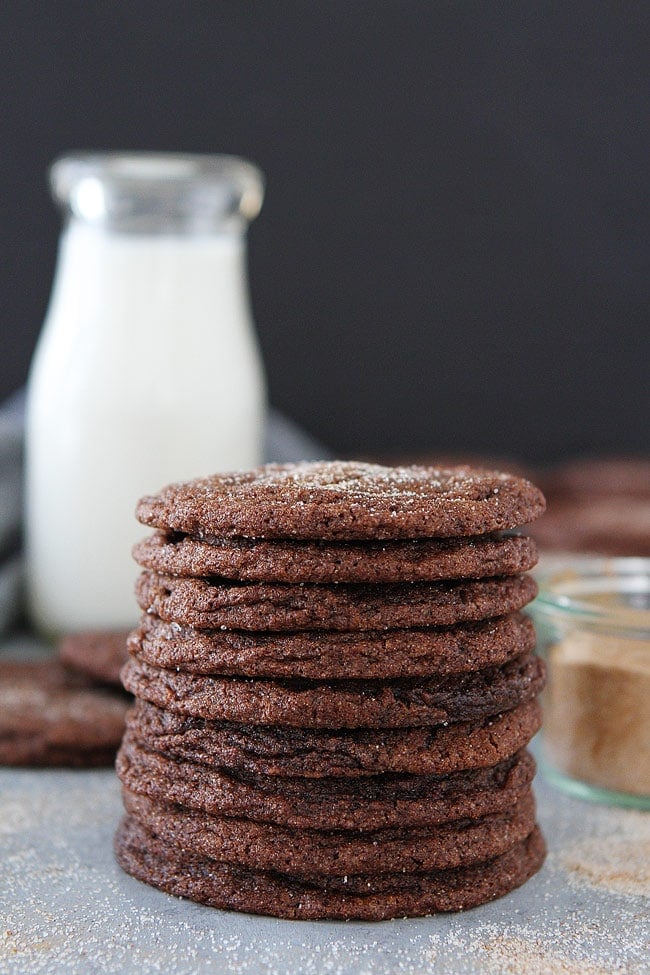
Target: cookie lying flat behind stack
[[598, 506], [52, 716], [99, 654], [334, 692], [62, 711]]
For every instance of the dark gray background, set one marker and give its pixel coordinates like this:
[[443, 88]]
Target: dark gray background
[[453, 253]]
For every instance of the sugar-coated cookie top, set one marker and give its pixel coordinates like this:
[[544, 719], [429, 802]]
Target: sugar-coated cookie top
[[346, 500]]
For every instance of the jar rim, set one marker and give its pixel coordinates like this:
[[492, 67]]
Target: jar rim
[[585, 589]]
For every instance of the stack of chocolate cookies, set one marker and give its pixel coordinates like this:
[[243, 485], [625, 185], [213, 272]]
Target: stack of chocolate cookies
[[334, 688]]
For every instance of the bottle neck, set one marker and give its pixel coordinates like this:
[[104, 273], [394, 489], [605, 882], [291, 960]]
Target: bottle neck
[[133, 278]]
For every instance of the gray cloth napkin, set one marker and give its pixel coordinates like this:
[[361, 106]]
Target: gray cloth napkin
[[11, 464], [285, 441]]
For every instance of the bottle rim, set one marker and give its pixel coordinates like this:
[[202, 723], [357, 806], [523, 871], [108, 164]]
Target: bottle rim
[[148, 190]]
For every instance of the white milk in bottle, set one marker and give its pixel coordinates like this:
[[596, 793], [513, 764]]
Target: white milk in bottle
[[147, 370]]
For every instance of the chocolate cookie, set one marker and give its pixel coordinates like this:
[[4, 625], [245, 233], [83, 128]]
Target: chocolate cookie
[[344, 500], [616, 526], [99, 654], [374, 802], [313, 854], [152, 860], [323, 655], [605, 477], [414, 560], [340, 704], [346, 606], [316, 754], [50, 716]]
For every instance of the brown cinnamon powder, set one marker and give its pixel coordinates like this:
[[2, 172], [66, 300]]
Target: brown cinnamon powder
[[597, 710]]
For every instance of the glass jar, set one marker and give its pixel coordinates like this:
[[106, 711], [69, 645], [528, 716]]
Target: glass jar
[[147, 370], [592, 617]]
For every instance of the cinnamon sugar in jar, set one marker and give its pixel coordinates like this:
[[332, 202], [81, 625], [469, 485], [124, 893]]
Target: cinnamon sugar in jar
[[593, 625]]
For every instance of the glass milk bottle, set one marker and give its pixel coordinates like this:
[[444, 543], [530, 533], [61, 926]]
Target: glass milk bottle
[[147, 370]]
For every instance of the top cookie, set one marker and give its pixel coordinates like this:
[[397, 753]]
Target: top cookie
[[344, 499]]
